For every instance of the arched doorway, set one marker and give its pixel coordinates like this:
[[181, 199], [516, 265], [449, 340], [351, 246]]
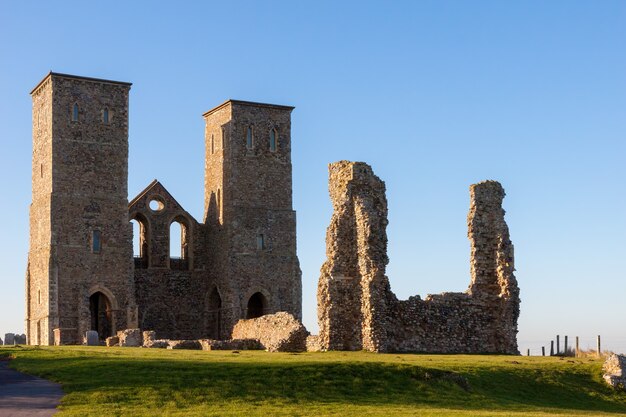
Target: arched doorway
[[214, 314], [100, 310], [257, 305]]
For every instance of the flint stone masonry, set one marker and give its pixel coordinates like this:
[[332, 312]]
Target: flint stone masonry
[[615, 371], [130, 337], [64, 337], [240, 262], [184, 344], [157, 344], [232, 344], [356, 307], [9, 339], [279, 332]]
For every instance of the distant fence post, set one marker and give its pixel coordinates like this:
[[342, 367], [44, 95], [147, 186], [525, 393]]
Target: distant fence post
[[558, 345], [543, 351], [551, 347], [577, 347], [565, 345], [599, 350]]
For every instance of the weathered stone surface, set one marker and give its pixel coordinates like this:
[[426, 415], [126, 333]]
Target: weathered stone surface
[[20, 339], [279, 332], [232, 344], [356, 307], [313, 343], [130, 337], [65, 337], [80, 255], [157, 344], [9, 339], [241, 262], [1, 342], [91, 338], [184, 344], [112, 341], [615, 371], [149, 336]]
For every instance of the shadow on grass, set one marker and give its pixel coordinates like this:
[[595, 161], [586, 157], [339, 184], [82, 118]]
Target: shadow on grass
[[160, 381]]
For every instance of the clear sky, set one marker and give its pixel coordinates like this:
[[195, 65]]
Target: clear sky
[[435, 95]]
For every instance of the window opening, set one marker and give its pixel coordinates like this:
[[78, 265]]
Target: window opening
[[96, 241], [75, 113], [260, 241], [273, 136], [105, 116], [249, 138]]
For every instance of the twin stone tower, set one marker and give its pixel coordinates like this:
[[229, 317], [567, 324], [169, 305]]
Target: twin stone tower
[[240, 263]]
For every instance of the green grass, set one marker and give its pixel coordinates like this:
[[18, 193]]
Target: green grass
[[153, 382]]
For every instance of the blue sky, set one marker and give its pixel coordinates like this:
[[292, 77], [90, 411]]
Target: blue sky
[[435, 95]]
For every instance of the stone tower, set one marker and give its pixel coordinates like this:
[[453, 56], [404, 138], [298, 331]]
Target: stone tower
[[80, 271], [248, 210]]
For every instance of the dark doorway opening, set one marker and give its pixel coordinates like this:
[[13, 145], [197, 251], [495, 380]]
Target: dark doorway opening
[[100, 309], [257, 304], [214, 308]]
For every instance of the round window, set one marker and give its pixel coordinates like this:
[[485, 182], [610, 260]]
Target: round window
[[156, 205]]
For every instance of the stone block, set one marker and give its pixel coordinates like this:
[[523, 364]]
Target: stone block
[[279, 332], [184, 344], [20, 339], [615, 371], [112, 341], [157, 344], [149, 336], [130, 337], [231, 344], [92, 338], [9, 339]]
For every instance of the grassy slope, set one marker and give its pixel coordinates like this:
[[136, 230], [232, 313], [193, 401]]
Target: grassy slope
[[150, 382]]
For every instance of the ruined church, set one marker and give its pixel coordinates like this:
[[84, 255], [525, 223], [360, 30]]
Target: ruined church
[[239, 266], [82, 274]]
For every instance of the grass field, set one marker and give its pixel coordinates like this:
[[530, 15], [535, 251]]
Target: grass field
[[153, 382]]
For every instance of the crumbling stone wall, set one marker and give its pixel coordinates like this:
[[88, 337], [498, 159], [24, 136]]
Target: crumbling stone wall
[[615, 371], [356, 307]]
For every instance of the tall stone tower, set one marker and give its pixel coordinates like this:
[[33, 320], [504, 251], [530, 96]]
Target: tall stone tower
[[248, 209], [80, 272]]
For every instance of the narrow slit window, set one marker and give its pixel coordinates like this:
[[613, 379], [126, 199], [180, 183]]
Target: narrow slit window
[[223, 137], [219, 203], [96, 241], [273, 138], [249, 138], [212, 144], [260, 241], [105, 116], [75, 112]]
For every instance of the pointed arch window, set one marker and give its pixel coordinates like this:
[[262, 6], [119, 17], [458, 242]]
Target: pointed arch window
[[273, 140], [249, 138], [75, 112]]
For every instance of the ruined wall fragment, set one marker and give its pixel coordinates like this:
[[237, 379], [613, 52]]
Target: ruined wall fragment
[[356, 307]]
